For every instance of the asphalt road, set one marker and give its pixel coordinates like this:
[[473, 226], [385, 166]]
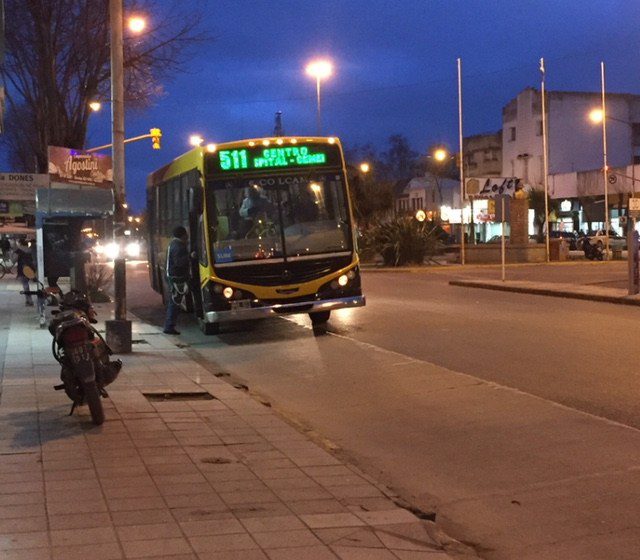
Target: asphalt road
[[514, 417]]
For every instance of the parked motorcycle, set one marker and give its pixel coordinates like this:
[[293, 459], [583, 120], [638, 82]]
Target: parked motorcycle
[[591, 251], [82, 352]]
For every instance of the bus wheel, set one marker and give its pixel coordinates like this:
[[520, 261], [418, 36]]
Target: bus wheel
[[209, 328], [319, 317]]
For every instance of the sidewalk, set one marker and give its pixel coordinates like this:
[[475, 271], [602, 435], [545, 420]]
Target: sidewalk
[[601, 281], [181, 479]]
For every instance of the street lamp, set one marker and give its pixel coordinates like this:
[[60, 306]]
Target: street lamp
[[196, 140], [95, 106], [365, 167], [320, 70], [136, 24]]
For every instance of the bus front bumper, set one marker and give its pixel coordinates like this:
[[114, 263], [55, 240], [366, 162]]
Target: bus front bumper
[[248, 313]]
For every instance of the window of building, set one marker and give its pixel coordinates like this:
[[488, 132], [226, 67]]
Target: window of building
[[512, 134], [539, 129], [635, 134], [487, 155]]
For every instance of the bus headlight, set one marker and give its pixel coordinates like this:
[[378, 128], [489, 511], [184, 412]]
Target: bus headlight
[[340, 282], [112, 251], [133, 249], [227, 292]]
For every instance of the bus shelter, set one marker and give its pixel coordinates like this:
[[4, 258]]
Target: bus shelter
[[60, 217]]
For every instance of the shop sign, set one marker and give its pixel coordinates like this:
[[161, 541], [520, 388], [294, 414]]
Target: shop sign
[[492, 187], [21, 186], [80, 168]]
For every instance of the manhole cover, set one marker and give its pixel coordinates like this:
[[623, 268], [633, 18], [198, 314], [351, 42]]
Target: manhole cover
[[182, 396]]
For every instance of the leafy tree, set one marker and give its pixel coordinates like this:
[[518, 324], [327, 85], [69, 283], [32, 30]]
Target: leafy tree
[[399, 161], [57, 61]]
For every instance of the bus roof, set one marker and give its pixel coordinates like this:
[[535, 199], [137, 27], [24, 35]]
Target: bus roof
[[193, 159]]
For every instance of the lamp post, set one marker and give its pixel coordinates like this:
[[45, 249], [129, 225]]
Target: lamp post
[[597, 116], [118, 330], [320, 70]]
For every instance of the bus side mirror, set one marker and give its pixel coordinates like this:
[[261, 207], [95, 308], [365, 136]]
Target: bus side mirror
[[196, 202]]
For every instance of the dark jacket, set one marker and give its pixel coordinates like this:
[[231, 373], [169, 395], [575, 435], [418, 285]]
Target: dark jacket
[[23, 254], [177, 259]]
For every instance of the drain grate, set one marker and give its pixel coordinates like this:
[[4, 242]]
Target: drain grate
[[179, 396]]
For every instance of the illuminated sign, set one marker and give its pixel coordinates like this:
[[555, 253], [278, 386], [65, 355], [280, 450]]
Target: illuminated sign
[[257, 158]]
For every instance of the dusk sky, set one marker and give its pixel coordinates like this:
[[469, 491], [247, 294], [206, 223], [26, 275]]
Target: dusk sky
[[395, 69]]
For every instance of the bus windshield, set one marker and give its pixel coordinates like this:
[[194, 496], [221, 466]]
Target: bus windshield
[[278, 217]]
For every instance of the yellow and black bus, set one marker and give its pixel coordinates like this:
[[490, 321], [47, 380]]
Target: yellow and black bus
[[271, 223]]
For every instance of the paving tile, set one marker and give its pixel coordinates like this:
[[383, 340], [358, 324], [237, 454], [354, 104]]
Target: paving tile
[[20, 487], [156, 548], [150, 531], [78, 520], [286, 539], [347, 553], [268, 509], [407, 536], [14, 541], [29, 510], [201, 513], [349, 537], [421, 555], [272, 523], [212, 527], [23, 524], [188, 489], [388, 517], [104, 551], [298, 553], [210, 500], [359, 491], [253, 554], [248, 497], [218, 543], [322, 520], [27, 554], [132, 504], [18, 499], [141, 517], [317, 506], [66, 537]]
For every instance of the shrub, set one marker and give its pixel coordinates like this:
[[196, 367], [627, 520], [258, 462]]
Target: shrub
[[98, 277], [404, 240]]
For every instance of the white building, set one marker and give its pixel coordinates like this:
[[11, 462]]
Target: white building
[[575, 142]]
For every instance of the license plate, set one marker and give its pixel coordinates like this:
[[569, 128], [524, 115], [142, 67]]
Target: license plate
[[241, 304]]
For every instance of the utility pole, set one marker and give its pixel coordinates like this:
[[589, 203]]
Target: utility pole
[[119, 329]]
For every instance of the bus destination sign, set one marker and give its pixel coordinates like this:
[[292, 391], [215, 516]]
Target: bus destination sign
[[276, 157]]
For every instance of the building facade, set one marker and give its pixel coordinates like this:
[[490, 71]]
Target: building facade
[[483, 155], [575, 142]]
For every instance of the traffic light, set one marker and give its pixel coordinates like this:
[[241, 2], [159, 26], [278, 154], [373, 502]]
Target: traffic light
[[156, 134]]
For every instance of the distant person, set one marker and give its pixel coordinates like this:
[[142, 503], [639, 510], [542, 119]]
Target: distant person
[[177, 271], [24, 259], [254, 206], [5, 248], [306, 207]]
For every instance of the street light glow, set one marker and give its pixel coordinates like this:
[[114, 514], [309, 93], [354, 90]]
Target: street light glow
[[136, 24], [440, 154], [196, 140], [95, 106], [365, 167], [595, 116], [320, 69]]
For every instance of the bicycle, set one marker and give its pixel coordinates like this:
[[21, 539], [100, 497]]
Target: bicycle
[[6, 266]]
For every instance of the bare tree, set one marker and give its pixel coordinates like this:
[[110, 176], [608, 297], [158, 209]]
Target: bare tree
[[57, 61]]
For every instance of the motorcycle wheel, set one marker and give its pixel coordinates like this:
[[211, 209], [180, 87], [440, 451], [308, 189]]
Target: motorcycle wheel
[[92, 398]]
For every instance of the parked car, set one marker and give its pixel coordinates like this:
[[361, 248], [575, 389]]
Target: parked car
[[569, 236], [615, 241]]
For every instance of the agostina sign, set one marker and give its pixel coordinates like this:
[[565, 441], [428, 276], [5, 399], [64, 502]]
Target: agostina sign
[[75, 166]]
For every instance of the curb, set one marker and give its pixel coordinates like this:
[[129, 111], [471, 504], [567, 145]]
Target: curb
[[504, 287]]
